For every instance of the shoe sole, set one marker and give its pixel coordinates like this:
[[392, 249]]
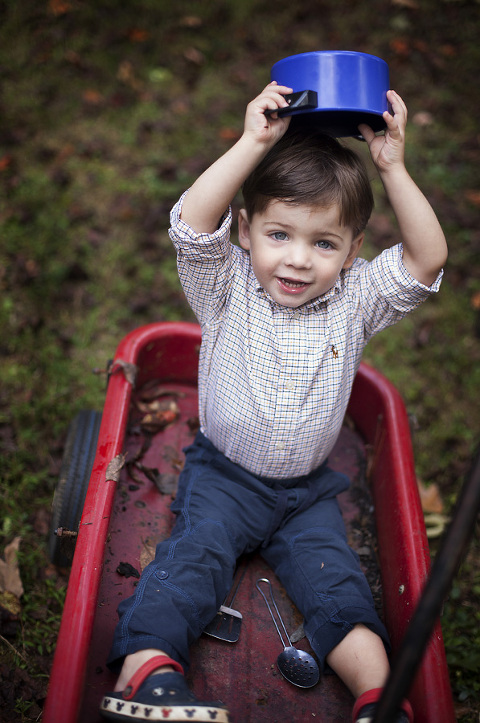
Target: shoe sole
[[119, 710]]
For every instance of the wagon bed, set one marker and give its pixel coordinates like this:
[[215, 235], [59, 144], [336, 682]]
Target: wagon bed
[[124, 517]]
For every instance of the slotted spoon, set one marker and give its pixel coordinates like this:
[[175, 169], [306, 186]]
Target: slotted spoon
[[297, 666]]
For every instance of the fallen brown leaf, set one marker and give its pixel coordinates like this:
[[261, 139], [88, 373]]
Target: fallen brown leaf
[[114, 468], [138, 35], [147, 554], [191, 21], [59, 7], [430, 498], [92, 97], [475, 301], [10, 580], [194, 55], [406, 4], [473, 195]]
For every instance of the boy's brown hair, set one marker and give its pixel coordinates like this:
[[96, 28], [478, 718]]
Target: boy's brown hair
[[310, 168]]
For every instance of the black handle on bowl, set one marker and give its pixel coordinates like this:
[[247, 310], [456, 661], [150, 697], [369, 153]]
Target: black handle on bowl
[[302, 100]]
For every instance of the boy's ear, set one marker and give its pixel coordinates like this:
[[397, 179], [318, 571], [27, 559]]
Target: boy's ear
[[244, 230], [354, 251]]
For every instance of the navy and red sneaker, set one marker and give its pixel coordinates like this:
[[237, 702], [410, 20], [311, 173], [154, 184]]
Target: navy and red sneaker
[[160, 697], [366, 706]]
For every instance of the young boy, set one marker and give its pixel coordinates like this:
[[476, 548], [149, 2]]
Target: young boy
[[284, 321]]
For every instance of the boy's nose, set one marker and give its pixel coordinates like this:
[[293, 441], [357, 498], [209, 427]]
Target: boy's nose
[[298, 256]]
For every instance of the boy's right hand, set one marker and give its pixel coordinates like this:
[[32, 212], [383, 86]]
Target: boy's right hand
[[210, 195], [267, 129]]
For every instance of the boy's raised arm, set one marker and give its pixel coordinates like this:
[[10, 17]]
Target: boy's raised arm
[[424, 246], [210, 195]]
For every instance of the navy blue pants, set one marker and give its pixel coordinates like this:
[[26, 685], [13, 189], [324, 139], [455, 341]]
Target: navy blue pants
[[222, 512]]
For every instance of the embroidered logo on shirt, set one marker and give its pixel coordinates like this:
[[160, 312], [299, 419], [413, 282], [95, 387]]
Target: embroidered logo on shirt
[[334, 351]]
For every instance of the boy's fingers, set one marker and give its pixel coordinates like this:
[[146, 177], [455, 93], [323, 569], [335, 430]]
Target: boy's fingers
[[283, 89], [390, 120], [397, 103], [395, 124], [272, 103], [271, 99], [277, 92], [367, 133]]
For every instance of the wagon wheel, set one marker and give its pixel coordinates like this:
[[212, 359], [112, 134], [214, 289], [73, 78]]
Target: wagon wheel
[[71, 489]]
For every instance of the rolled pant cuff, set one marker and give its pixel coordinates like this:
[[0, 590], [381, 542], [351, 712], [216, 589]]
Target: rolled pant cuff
[[331, 632]]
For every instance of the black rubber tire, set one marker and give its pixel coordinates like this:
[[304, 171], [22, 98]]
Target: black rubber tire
[[71, 489]]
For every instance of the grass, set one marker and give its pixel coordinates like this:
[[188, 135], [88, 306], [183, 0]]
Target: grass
[[108, 112]]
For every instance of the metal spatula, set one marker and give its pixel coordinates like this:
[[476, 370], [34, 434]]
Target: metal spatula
[[227, 622]]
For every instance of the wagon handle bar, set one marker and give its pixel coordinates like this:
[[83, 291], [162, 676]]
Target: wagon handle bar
[[428, 610]]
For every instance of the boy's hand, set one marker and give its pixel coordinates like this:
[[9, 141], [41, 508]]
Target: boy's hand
[[267, 129], [423, 243], [388, 150], [206, 201]]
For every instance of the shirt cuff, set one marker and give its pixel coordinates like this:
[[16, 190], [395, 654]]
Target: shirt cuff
[[401, 287], [193, 245]]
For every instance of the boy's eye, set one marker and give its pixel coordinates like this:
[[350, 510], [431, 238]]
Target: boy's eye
[[279, 235], [323, 244]]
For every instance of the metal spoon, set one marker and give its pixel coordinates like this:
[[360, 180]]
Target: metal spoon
[[297, 666]]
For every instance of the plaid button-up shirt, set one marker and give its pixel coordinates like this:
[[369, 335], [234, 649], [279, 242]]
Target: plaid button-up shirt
[[274, 382]]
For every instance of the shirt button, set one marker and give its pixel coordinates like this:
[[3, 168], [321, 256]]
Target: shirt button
[[289, 384], [280, 446]]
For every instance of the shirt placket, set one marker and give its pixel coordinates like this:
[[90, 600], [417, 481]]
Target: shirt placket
[[293, 358]]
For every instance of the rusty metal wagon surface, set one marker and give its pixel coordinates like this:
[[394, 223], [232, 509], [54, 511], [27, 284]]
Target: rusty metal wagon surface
[[150, 415]]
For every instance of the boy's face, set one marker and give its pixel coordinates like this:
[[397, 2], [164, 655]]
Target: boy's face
[[297, 252]]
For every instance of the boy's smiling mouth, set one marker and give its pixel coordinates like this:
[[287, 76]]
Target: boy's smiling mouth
[[292, 285]]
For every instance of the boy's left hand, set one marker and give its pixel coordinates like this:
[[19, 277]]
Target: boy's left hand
[[388, 150]]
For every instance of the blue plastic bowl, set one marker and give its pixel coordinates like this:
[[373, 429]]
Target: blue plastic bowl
[[351, 88]]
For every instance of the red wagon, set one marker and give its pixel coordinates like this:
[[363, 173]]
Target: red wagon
[[150, 414]]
